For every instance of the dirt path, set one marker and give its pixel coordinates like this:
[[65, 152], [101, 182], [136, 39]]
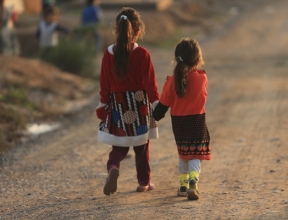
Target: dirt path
[[61, 176]]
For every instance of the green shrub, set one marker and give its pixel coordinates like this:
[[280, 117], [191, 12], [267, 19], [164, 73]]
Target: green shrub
[[13, 119], [1, 135], [18, 97], [11, 122], [74, 56], [2, 141]]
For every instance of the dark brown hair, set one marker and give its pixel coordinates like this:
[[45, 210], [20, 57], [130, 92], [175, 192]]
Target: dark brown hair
[[188, 56], [91, 2], [127, 31], [51, 10]]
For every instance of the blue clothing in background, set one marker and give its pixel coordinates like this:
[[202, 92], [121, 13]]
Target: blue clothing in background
[[90, 15]]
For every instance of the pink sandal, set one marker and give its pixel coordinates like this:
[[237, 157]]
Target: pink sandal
[[150, 186]]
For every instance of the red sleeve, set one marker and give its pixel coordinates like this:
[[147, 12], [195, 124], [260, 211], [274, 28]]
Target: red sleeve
[[149, 78], [165, 96], [206, 85], [105, 88]]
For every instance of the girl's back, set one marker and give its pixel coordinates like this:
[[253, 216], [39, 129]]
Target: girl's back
[[195, 98], [139, 74]]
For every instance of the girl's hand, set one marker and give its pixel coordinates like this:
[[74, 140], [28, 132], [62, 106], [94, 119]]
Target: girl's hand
[[101, 113]]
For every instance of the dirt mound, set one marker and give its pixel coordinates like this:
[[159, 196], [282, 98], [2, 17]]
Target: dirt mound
[[40, 76], [34, 90]]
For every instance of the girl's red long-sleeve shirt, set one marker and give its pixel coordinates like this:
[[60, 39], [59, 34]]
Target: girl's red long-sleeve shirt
[[140, 75]]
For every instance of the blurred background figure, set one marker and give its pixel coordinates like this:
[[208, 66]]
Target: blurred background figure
[[90, 19], [47, 32], [8, 42], [92, 13], [46, 4]]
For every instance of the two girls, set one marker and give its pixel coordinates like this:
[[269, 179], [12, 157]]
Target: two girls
[[128, 91]]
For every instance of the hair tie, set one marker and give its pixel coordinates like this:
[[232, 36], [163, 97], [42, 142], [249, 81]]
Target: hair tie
[[179, 58], [124, 17]]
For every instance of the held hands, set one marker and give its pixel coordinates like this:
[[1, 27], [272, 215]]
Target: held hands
[[159, 111]]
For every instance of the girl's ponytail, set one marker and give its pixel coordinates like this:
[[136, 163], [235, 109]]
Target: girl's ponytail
[[188, 55], [181, 77], [123, 46], [128, 27]]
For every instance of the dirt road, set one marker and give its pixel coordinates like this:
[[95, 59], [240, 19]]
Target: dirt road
[[61, 176]]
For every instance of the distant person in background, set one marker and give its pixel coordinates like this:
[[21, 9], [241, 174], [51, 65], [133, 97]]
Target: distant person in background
[[92, 13], [46, 4], [90, 19], [47, 32], [8, 41]]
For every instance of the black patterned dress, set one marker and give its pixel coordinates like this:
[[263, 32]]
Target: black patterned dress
[[188, 116], [191, 136]]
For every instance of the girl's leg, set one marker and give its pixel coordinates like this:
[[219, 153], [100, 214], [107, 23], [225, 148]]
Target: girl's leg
[[195, 165], [142, 157], [195, 169], [184, 177], [183, 166], [115, 157]]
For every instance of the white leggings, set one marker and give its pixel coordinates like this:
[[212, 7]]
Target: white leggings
[[186, 166]]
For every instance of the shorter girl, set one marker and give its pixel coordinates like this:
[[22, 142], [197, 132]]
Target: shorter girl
[[185, 92]]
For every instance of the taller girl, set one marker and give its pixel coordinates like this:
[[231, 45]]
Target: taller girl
[[127, 91]]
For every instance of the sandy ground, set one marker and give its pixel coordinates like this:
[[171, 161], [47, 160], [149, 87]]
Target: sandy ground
[[61, 175]]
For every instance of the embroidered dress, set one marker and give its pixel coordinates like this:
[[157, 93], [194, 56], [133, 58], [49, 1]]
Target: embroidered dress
[[188, 116], [128, 120]]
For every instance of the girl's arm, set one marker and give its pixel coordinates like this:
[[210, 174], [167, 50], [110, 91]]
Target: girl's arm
[[149, 78], [101, 111], [159, 111], [105, 90], [164, 103], [61, 28]]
